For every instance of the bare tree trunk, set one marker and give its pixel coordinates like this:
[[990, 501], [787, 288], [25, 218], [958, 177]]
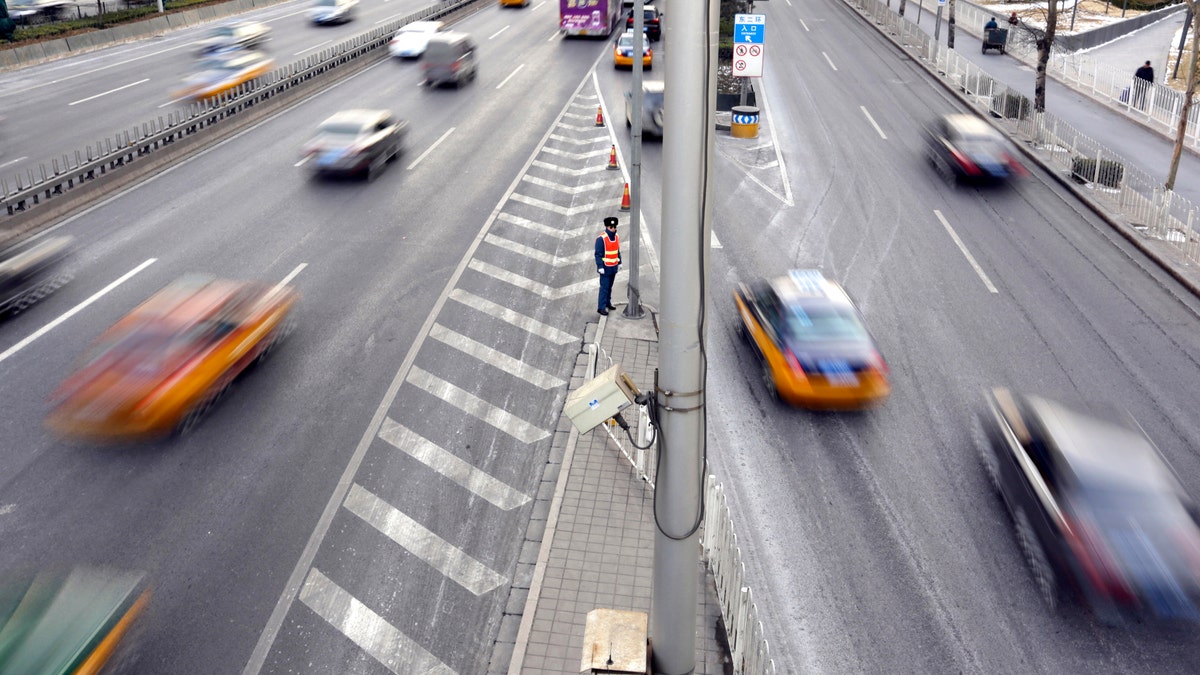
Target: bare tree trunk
[[950, 27], [1190, 93], [1045, 42]]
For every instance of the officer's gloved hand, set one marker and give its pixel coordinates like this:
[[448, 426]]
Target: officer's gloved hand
[[600, 271]]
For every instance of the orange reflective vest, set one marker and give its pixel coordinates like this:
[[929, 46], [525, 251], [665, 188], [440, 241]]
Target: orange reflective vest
[[612, 250]]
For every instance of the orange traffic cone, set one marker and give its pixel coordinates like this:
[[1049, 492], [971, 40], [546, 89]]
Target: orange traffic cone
[[599, 116], [625, 199], [612, 158]]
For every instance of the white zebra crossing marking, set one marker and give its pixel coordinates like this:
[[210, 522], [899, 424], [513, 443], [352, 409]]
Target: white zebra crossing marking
[[451, 466], [494, 358], [395, 650], [473, 405], [530, 285], [450, 560]]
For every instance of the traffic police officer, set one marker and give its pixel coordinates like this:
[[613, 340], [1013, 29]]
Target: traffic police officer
[[608, 261]]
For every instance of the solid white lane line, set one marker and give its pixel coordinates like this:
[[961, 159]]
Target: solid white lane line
[[312, 48], [12, 161], [714, 243], [962, 247], [829, 60], [532, 285], [395, 650], [451, 466], [498, 32], [110, 91], [536, 254], [435, 144], [510, 76], [473, 405], [424, 544], [872, 121], [75, 310]]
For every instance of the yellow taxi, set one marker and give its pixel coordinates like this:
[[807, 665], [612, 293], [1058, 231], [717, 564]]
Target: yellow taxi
[[222, 71], [514, 3], [623, 52], [161, 368], [812, 342]]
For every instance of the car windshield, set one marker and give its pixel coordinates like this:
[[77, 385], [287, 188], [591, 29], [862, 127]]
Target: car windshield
[[223, 31], [341, 129], [326, 3], [626, 41], [419, 28], [822, 324]]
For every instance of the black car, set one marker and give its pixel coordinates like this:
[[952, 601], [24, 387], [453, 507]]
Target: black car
[[356, 142], [966, 148], [1095, 507], [652, 19], [28, 273]]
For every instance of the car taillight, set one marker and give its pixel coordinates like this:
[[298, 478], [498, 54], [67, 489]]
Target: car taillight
[[1014, 165], [1097, 561], [966, 164], [877, 362]]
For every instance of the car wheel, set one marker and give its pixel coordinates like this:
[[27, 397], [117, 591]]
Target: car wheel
[[197, 413], [1035, 556], [991, 465], [374, 166], [282, 331], [769, 382], [742, 333]]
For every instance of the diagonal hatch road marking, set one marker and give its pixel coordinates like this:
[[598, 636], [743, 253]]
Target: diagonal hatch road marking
[[530, 285], [570, 172], [517, 319], [496, 359], [451, 466], [551, 206], [569, 189], [395, 650], [545, 229], [538, 255], [473, 405], [424, 544]]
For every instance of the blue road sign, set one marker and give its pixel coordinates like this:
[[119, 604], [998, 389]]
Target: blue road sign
[[749, 28]]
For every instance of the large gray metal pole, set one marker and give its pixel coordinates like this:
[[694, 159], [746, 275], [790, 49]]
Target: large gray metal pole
[[689, 105], [633, 291]]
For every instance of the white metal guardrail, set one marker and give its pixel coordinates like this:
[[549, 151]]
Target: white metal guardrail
[[1122, 189], [750, 651], [22, 192]]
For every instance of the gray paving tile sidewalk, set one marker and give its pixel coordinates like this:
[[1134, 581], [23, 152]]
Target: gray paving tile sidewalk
[[597, 533]]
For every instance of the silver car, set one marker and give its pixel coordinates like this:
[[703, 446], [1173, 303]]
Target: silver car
[[356, 142], [652, 108], [234, 35]]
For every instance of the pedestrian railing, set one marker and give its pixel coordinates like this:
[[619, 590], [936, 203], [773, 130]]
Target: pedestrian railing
[[748, 646], [1108, 179]]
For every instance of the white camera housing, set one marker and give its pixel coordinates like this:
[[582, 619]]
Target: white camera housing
[[598, 400]]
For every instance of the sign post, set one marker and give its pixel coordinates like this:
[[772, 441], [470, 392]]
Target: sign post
[[748, 47]]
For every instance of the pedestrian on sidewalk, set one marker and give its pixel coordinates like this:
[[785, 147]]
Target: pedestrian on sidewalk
[[991, 24], [608, 262], [1013, 20], [1142, 80]]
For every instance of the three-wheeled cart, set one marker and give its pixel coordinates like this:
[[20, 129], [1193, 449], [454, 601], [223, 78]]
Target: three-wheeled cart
[[995, 38]]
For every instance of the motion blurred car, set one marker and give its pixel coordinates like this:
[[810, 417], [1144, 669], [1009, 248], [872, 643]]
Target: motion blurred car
[[652, 108], [1095, 507], [412, 39], [234, 35], [356, 142], [812, 342], [651, 22], [67, 621], [964, 147], [161, 368], [223, 71], [449, 59], [623, 52], [332, 11], [29, 273]]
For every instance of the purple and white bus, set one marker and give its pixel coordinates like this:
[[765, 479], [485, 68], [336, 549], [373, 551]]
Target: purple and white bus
[[588, 17]]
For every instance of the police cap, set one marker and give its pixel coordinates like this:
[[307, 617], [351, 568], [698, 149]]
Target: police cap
[[610, 221]]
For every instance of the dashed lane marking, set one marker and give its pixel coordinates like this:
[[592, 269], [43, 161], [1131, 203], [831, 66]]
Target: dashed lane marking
[[473, 405], [424, 544], [395, 650], [451, 466]]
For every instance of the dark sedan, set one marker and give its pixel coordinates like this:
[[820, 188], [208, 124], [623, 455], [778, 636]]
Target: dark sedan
[[1095, 507], [966, 148], [29, 272], [651, 22], [356, 142]]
